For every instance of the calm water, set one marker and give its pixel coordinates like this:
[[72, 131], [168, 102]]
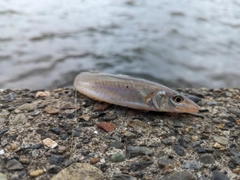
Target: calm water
[[45, 44]]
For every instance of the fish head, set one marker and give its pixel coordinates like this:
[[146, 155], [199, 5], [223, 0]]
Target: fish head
[[174, 102]]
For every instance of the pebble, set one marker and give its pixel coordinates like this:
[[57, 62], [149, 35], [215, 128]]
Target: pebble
[[109, 117], [36, 173], [139, 166], [43, 94], [217, 175], [62, 149], [165, 161], [177, 124], [94, 160], [56, 131], [140, 126], [13, 164], [103, 149], [193, 164], [235, 160], [51, 110], [26, 107], [56, 159], [207, 159], [2, 152], [234, 152], [4, 130], [50, 143], [235, 111], [179, 150], [117, 157], [107, 126], [37, 146], [133, 151], [25, 160], [101, 107], [19, 119], [221, 140], [10, 97], [123, 177], [116, 145], [79, 171], [181, 175], [35, 153]]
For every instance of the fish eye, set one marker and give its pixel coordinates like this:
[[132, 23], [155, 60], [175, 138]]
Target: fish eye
[[178, 99]]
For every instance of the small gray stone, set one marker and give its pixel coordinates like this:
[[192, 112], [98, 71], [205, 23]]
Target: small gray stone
[[35, 153], [228, 94], [193, 164], [117, 157], [13, 164], [221, 140], [10, 97], [207, 159], [164, 161], [2, 131], [133, 151], [235, 111], [179, 150], [235, 160], [56, 160], [117, 145], [217, 175], [139, 166], [19, 119], [123, 177], [183, 175]]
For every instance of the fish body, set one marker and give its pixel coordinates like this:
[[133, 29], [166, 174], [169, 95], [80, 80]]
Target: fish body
[[132, 92]]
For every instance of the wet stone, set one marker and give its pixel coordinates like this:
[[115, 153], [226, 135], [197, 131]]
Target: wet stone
[[217, 175], [13, 164], [56, 160], [123, 177], [139, 166], [193, 164], [184, 175], [179, 150], [116, 145], [207, 159], [133, 151], [117, 157]]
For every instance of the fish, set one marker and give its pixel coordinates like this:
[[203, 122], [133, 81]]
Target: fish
[[131, 92]]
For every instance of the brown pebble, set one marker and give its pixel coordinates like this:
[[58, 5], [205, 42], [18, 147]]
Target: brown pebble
[[101, 107], [236, 170], [107, 126], [36, 173], [94, 160], [50, 143], [85, 117], [51, 110]]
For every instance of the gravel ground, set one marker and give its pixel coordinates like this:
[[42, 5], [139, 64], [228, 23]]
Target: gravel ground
[[60, 134]]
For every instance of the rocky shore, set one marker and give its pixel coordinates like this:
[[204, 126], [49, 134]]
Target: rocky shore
[[61, 134]]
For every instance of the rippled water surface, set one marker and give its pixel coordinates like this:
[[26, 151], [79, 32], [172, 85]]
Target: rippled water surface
[[45, 44]]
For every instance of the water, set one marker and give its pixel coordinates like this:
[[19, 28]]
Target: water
[[45, 44]]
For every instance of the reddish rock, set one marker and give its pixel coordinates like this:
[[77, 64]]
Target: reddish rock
[[101, 107], [107, 126]]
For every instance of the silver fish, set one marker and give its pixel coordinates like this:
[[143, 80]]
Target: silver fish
[[133, 92]]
